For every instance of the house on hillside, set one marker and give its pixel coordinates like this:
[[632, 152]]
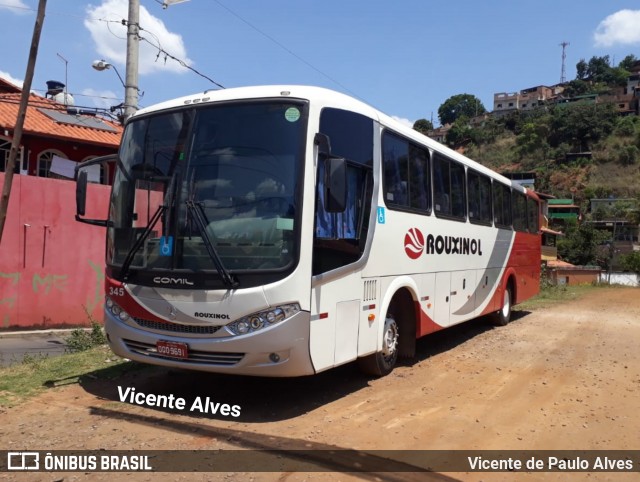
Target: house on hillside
[[524, 100], [561, 210], [55, 135]]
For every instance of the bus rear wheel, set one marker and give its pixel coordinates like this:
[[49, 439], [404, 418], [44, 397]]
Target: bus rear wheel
[[503, 316], [382, 363]]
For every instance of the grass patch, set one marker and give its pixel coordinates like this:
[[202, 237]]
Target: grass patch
[[82, 340], [39, 373], [552, 295]]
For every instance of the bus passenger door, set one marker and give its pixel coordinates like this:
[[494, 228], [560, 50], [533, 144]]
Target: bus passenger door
[[442, 298]]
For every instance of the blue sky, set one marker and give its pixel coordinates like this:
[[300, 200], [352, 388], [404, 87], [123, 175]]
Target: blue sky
[[404, 57]]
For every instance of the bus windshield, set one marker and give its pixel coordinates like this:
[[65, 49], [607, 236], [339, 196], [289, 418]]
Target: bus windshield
[[208, 189]]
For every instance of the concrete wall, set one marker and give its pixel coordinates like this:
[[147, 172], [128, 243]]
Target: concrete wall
[[627, 279], [51, 267]]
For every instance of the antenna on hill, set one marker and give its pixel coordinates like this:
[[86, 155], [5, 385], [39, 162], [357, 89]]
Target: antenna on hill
[[564, 46]]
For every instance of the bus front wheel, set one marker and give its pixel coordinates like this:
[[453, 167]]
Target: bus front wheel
[[381, 363]]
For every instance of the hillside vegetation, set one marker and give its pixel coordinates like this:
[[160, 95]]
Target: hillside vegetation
[[581, 149]]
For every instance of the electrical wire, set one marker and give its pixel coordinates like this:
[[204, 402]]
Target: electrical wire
[[180, 61], [286, 49]]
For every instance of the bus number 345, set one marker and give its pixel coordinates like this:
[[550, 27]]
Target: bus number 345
[[115, 291]]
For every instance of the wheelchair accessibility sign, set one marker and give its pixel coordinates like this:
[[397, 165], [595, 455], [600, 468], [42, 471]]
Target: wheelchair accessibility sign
[[381, 215], [166, 245]]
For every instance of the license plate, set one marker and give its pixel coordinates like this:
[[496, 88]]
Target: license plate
[[172, 349]]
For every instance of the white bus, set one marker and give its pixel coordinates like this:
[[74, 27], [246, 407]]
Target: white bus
[[286, 230]]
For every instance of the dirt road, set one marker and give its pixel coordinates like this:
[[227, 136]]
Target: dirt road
[[562, 377]]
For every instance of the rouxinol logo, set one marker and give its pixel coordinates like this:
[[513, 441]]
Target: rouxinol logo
[[415, 244]]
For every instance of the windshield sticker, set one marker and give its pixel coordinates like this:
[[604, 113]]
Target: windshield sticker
[[284, 224], [166, 245], [292, 114]]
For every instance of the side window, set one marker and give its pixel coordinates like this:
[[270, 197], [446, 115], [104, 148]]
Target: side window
[[340, 238], [533, 215], [448, 188], [502, 205], [351, 135], [419, 179], [479, 193], [406, 174], [519, 201], [458, 202], [5, 149], [396, 173]]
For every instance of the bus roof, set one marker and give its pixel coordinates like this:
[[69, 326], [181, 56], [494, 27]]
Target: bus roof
[[325, 97]]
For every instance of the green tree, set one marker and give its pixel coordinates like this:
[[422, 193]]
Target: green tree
[[581, 124], [460, 105], [599, 70], [576, 87], [581, 70], [581, 244], [423, 126], [460, 132], [533, 138], [628, 62], [631, 261], [628, 155]]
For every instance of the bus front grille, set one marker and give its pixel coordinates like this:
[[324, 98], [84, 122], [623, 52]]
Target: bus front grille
[[194, 356], [176, 327]]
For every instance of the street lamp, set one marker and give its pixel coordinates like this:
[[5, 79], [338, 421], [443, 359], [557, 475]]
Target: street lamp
[[101, 65]]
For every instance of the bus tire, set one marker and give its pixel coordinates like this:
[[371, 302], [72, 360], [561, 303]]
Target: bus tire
[[503, 316], [382, 363]]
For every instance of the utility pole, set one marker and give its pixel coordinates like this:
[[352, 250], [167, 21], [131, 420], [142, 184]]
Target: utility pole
[[131, 75], [22, 113], [564, 46]]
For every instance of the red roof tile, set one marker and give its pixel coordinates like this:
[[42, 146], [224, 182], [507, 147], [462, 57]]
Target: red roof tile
[[37, 123]]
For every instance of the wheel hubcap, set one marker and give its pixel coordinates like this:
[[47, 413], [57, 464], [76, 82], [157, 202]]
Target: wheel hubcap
[[390, 339]]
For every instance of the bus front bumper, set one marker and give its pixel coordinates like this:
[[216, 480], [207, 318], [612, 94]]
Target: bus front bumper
[[281, 350]]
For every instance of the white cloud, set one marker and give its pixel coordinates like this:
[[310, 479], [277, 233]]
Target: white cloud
[[622, 28], [402, 120], [110, 38], [13, 80], [15, 6]]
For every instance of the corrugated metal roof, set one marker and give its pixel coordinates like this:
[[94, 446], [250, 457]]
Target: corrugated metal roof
[[86, 129]]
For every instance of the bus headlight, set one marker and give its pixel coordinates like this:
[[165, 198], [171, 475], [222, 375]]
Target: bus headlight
[[263, 319], [115, 309]]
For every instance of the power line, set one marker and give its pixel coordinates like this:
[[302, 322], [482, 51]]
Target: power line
[[286, 49], [167, 55]]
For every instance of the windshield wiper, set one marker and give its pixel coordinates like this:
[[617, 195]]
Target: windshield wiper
[[200, 218], [124, 272], [167, 201]]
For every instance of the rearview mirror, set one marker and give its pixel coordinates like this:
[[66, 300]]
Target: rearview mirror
[[82, 183]]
